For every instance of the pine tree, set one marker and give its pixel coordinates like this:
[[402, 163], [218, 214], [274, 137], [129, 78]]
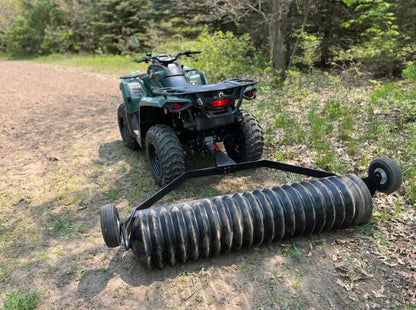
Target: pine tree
[[120, 25]]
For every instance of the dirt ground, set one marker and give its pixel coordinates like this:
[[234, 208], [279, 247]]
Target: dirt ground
[[61, 159]]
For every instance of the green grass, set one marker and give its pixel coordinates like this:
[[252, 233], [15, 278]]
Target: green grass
[[340, 127], [112, 64], [294, 252], [22, 300]]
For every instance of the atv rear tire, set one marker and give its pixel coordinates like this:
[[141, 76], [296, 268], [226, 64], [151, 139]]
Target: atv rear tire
[[164, 153], [128, 140], [246, 143]]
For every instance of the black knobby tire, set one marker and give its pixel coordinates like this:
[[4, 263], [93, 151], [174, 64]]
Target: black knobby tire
[[247, 141], [128, 140], [164, 153], [110, 225], [389, 174]]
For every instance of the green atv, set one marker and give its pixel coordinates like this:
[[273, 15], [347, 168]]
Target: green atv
[[172, 108]]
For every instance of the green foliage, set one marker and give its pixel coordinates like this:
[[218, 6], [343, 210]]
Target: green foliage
[[59, 40], [410, 72], [22, 300], [294, 252], [224, 55], [309, 45], [380, 28], [120, 25], [114, 64], [311, 32], [37, 30], [399, 94]]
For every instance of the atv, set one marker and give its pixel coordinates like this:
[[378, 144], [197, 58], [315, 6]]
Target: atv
[[172, 108]]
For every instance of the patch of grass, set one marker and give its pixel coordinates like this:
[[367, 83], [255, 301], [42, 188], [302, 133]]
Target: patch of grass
[[365, 230], [22, 300], [382, 242], [334, 108], [294, 252], [199, 298], [297, 281], [352, 148], [80, 228], [66, 228], [324, 246], [5, 273], [60, 226], [346, 128], [113, 194], [115, 64]]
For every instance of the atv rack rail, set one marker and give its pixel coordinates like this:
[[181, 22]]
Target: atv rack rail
[[196, 89]]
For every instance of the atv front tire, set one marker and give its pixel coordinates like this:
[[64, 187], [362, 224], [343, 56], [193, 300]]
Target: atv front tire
[[128, 140], [164, 153], [247, 141]]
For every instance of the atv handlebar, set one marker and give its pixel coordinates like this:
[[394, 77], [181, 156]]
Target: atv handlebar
[[165, 58], [187, 53]]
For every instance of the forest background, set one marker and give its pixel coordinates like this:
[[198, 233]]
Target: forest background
[[282, 34]]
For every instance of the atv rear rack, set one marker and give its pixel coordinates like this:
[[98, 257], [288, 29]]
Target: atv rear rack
[[196, 89]]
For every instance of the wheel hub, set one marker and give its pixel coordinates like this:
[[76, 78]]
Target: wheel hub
[[382, 174]]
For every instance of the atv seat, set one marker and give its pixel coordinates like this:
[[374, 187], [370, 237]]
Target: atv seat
[[173, 75]]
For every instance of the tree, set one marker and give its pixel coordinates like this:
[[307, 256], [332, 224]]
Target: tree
[[120, 24], [324, 21], [29, 33], [9, 9], [269, 15]]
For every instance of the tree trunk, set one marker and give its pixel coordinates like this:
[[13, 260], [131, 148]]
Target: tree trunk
[[277, 54]]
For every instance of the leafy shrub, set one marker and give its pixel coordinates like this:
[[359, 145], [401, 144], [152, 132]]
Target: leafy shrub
[[59, 40], [410, 72], [224, 55], [35, 32], [22, 300]]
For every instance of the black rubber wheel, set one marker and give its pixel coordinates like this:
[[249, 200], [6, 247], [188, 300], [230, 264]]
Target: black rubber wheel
[[128, 140], [247, 141], [164, 153], [389, 173], [110, 225]]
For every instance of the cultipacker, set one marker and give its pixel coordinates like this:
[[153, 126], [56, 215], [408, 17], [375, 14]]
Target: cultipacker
[[166, 235]]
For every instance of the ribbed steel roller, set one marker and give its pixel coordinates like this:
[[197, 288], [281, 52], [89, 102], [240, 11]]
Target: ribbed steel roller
[[200, 228]]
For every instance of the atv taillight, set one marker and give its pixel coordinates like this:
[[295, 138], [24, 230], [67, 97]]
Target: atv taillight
[[176, 106], [219, 103], [250, 94]]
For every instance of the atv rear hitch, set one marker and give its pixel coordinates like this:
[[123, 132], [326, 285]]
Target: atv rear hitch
[[225, 165]]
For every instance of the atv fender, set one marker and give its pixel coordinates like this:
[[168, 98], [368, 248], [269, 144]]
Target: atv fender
[[133, 91]]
